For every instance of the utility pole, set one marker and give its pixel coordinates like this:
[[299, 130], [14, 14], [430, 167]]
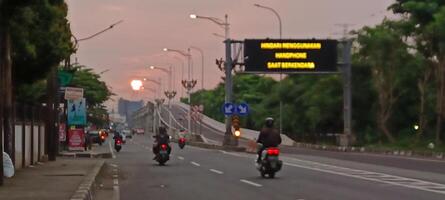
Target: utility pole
[[228, 137], [6, 108], [347, 138]]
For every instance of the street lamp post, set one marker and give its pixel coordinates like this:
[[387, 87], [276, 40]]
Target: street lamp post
[[229, 139], [202, 64], [281, 74], [170, 93], [188, 84]]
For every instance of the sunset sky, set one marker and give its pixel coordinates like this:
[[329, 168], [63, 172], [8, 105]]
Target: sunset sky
[[151, 25]]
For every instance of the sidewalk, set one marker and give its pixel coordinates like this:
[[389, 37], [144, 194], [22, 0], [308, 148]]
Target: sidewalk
[[55, 180], [72, 173]]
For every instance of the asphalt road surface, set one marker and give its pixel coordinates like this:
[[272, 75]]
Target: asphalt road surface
[[194, 173]]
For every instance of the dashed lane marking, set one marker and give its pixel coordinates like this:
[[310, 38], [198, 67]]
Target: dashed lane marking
[[195, 163], [180, 158], [216, 171], [361, 174], [251, 183]]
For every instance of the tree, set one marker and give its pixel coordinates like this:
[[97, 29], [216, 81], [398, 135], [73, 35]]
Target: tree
[[96, 91], [428, 29], [383, 49]]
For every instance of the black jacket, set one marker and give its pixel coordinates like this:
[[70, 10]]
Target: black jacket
[[162, 138], [269, 137]]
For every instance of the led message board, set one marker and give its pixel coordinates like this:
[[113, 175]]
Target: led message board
[[290, 56]]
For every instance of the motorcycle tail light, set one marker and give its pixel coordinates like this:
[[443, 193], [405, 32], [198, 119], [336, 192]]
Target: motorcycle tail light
[[273, 151], [163, 146], [119, 142]]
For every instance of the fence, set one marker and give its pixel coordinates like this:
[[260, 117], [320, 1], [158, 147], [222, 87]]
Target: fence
[[29, 137]]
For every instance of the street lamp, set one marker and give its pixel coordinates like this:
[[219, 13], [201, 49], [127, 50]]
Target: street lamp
[[229, 139], [188, 84], [168, 71], [103, 72], [276, 14], [281, 74], [202, 64]]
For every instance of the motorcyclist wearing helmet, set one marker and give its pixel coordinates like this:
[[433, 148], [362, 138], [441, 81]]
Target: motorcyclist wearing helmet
[[269, 137], [161, 138]]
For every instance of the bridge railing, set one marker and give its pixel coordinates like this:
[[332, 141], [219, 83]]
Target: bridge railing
[[246, 133]]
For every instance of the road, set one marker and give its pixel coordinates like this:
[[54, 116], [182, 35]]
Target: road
[[195, 173]]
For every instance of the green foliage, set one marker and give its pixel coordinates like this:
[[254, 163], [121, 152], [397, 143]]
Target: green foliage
[[41, 37], [96, 91]]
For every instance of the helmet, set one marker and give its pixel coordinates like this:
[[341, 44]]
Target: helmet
[[269, 122]]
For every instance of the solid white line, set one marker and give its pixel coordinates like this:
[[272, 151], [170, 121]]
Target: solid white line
[[216, 171], [111, 150], [196, 164], [113, 165], [353, 175], [364, 178], [251, 183], [115, 182], [180, 158]]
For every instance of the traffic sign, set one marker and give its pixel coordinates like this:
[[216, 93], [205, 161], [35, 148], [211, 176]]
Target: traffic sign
[[290, 56], [242, 109], [229, 109]]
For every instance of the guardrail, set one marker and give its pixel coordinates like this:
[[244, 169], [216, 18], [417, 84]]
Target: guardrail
[[246, 133]]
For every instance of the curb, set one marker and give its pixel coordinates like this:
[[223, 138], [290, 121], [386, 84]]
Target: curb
[[86, 188], [86, 155], [370, 150]]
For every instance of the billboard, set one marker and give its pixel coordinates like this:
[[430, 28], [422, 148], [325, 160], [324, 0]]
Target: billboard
[[290, 56], [77, 114], [76, 139]]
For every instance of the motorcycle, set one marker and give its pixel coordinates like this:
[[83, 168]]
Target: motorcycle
[[163, 155], [269, 162], [118, 144], [181, 143]]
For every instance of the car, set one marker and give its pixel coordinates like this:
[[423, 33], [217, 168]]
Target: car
[[94, 137]]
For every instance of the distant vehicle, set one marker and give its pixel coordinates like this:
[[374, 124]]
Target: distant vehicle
[[117, 144], [124, 137], [127, 133], [139, 131], [94, 137]]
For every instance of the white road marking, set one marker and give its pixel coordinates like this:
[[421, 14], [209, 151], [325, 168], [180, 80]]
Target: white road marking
[[216, 171], [251, 183], [361, 174], [116, 190], [180, 158], [195, 163], [410, 183], [111, 150]]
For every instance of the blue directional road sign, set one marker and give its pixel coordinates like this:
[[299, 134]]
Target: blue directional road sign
[[229, 109], [242, 109]]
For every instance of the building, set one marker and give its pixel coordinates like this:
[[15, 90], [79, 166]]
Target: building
[[127, 107]]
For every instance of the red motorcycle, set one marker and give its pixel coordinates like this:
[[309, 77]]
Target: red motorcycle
[[118, 144], [181, 143]]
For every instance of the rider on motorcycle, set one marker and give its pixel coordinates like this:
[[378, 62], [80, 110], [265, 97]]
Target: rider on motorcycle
[[269, 137], [161, 138]]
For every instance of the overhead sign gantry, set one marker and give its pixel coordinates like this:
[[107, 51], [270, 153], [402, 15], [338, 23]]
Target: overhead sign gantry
[[290, 56]]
